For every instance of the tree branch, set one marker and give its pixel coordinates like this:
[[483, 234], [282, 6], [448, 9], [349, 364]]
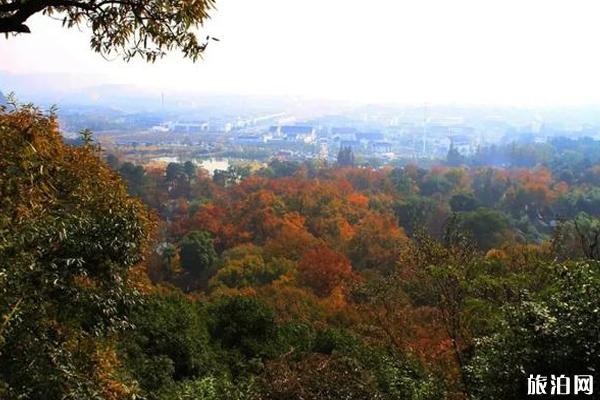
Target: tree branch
[[10, 7], [14, 23]]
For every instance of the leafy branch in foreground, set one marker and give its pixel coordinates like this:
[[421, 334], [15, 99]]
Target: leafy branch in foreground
[[69, 238], [147, 29]]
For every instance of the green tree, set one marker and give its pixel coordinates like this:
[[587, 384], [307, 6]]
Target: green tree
[[283, 168], [234, 174], [197, 254], [402, 181], [414, 212], [341, 367], [320, 377], [113, 161], [489, 186], [435, 184], [167, 253], [170, 342], [135, 176], [454, 158], [553, 332], [243, 324], [485, 225], [345, 157], [174, 171], [147, 29], [463, 202], [212, 388], [189, 168], [69, 235], [178, 177], [588, 233]]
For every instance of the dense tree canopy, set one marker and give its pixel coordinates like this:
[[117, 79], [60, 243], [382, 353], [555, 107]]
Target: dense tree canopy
[[542, 334], [198, 256], [296, 281], [69, 237]]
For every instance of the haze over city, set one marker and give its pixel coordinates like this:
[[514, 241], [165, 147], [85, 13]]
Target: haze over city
[[518, 53]]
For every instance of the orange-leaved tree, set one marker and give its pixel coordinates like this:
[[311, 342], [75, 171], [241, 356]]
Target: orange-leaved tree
[[322, 269]]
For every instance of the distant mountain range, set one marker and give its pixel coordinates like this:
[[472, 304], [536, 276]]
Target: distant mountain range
[[2, 99], [68, 91], [89, 94]]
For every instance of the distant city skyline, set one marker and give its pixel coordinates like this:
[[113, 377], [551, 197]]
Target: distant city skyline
[[510, 52]]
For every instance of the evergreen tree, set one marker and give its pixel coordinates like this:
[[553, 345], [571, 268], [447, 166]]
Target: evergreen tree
[[198, 256], [345, 157], [454, 158]]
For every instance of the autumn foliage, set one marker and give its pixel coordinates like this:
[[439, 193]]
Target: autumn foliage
[[294, 281], [323, 269]]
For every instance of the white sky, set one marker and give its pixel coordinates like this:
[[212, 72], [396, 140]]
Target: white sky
[[519, 52]]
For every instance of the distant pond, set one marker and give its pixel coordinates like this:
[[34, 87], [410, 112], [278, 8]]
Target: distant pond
[[211, 164]]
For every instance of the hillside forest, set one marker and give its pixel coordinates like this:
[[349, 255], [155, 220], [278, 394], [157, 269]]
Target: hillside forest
[[294, 280]]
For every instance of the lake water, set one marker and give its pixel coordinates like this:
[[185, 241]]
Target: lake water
[[211, 165], [166, 160]]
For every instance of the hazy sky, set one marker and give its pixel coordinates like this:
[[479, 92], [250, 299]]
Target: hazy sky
[[519, 52]]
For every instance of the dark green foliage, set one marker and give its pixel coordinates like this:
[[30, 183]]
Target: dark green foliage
[[402, 182], [487, 188], [345, 157], [279, 169], [190, 169], [197, 254], [173, 357], [463, 202], [170, 342], [513, 155], [435, 184], [414, 212], [220, 177], [485, 226], [233, 175], [135, 176], [174, 171], [554, 332], [587, 232], [454, 158], [112, 161], [398, 377], [329, 340], [296, 337], [572, 203], [244, 324]]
